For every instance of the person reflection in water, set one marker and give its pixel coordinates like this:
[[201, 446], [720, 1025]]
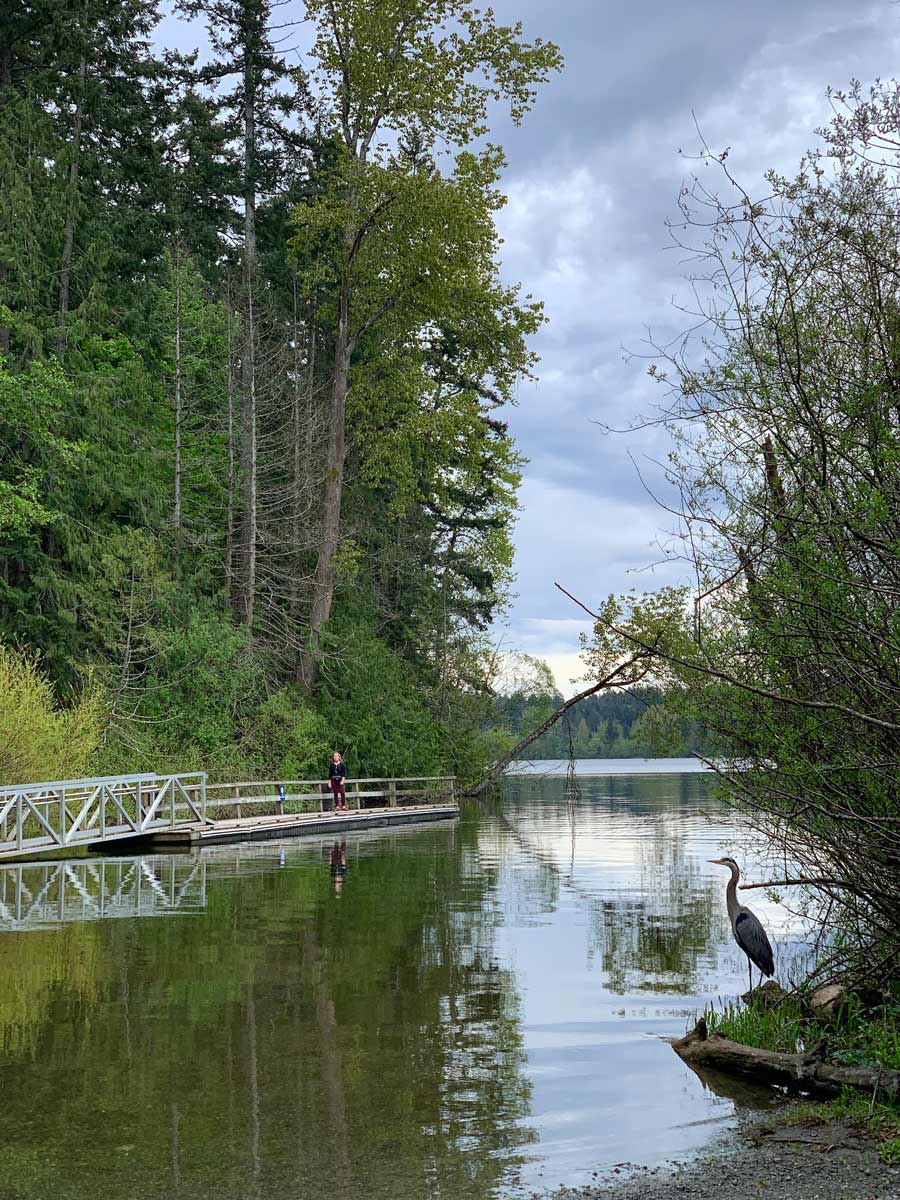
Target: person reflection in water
[[338, 863]]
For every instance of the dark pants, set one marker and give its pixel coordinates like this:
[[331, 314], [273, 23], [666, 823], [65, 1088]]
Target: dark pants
[[338, 790]]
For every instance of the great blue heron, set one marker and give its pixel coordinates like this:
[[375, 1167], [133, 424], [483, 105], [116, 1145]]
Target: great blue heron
[[746, 926]]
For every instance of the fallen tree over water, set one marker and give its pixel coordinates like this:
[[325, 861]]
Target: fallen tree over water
[[809, 1072], [624, 674]]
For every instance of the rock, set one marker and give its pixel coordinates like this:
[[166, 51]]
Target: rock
[[826, 1002], [770, 994]]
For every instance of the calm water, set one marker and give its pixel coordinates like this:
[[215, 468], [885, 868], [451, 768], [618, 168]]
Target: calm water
[[467, 1011]]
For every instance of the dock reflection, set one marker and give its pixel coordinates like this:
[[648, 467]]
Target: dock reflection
[[44, 895]]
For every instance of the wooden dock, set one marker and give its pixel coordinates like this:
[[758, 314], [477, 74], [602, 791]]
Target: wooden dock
[[259, 828]]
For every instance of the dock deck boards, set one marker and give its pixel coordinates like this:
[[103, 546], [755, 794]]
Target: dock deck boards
[[241, 829]]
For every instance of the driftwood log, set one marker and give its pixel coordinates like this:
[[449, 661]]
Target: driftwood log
[[808, 1072]]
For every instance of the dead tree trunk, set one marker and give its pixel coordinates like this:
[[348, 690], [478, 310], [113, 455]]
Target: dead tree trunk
[[249, 523], [65, 270], [806, 1071], [301, 432]]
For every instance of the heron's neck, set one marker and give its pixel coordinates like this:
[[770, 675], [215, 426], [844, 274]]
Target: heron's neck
[[731, 893]]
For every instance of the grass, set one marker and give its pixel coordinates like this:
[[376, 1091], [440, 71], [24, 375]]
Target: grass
[[860, 1037], [778, 1028]]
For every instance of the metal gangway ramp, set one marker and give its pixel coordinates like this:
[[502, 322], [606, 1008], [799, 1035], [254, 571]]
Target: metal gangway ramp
[[78, 812]]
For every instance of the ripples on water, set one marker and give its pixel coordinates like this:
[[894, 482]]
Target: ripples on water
[[471, 1010]]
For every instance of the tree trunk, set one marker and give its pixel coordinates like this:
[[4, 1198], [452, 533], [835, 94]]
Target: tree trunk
[[177, 513], [248, 358], [5, 84], [636, 668], [229, 515], [298, 457], [700, 1048], [323, 581], [65, 272]]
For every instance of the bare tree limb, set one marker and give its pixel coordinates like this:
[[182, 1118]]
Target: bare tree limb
[[638, 665]]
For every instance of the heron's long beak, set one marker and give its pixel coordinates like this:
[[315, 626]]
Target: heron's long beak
[[718, 862]]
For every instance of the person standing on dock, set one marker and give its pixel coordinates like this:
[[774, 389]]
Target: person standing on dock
[[337, 773]]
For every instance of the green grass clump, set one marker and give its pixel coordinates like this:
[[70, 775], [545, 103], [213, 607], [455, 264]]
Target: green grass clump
[[780, 1027]]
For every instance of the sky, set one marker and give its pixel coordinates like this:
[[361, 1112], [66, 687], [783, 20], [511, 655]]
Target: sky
[[594, 173]]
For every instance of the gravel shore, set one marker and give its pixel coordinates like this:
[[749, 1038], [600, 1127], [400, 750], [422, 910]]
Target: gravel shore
[[761, 1158]]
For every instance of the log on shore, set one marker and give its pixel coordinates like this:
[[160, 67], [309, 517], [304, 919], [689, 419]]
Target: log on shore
[[808, 1072]]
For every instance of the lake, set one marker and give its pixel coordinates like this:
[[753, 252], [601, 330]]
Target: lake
[[467, 1010]]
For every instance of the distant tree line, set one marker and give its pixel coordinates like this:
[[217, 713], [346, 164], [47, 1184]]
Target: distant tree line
[[615, 724]]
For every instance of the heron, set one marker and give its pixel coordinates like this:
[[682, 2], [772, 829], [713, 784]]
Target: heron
[[746, 926]]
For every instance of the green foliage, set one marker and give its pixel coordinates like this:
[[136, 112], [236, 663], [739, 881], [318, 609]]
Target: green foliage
[[449, 61], [39, 739], [127, 345], [373, 706], [32, 406], [310, 746], [779, 1027], [201, 689]]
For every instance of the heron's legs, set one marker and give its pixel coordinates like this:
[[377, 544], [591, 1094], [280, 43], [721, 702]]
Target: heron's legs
[[750, 972]]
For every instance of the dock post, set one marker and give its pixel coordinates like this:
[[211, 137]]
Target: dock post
[[235, 795], [392, 793], [358, 798]]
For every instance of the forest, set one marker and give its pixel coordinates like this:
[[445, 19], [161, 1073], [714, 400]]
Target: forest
[[629, 723], [256, 492]]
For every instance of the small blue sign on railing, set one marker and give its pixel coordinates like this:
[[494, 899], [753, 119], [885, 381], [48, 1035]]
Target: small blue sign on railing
[[281, 792]]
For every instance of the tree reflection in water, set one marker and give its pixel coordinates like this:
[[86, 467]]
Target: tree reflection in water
[[651, 919], [279, 1042]]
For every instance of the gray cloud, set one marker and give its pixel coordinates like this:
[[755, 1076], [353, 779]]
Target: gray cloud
[[593, 176]]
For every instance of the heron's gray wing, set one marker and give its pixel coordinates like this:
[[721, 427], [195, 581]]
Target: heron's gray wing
[[752, 939]]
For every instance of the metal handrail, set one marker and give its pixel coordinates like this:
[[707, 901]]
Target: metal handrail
[[91, 782], [314, 782], [55, 815], [47, 816]]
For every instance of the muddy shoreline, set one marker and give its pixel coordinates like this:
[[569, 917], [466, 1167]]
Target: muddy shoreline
[[762, 1157]]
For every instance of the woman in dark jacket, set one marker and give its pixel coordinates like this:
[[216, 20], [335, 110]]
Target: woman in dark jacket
[[337, 773]]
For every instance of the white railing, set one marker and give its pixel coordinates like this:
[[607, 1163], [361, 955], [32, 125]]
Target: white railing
[[73, 812], [36, 817]]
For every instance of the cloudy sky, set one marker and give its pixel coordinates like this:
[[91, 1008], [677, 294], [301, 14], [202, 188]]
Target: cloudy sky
[[593, 175]]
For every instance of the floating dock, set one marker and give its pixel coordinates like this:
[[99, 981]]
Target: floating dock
[[259, 828]]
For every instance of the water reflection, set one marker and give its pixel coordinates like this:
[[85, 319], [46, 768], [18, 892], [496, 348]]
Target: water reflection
[[46, 894], [469, 1011]]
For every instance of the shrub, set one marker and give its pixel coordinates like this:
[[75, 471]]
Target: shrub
[[38, 739]]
